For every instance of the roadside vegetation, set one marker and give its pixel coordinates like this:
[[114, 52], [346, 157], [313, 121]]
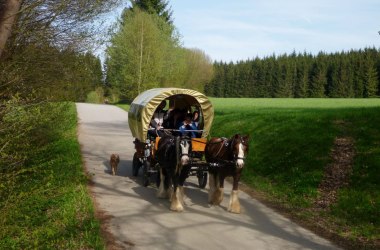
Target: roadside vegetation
[[44, 201], [291, 146], [123, 106]]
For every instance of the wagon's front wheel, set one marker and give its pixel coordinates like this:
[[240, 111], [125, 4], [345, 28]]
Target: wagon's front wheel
[[202, 179], [146, 174], [136, 164]]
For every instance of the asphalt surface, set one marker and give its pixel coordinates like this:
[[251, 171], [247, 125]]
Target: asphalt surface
[[139, 220]]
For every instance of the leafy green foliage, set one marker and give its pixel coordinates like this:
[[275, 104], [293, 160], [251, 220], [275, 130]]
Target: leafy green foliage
[[290, 146], [48, 56], [49, 74], [137, 54], [145, 53], [96, 96], [44, 200]]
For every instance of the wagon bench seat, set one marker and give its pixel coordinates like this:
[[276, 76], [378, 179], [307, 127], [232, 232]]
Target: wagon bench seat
[[198, 144]]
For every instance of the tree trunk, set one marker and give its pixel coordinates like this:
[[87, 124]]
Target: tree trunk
[[141, 57], [8, 12]]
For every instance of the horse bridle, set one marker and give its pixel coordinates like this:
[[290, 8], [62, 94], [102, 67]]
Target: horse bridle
[[225, 142], [186, 140], [242, 142]]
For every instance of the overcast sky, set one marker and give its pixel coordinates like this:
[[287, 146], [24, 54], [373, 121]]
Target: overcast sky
[[241, 29]]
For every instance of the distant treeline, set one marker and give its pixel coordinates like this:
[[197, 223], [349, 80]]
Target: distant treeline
[[345, 74]]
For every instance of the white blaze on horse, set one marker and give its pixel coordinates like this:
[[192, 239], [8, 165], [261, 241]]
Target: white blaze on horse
[[173, 158], [226, 158]]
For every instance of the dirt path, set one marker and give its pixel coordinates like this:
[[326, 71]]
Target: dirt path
[[139, 220]]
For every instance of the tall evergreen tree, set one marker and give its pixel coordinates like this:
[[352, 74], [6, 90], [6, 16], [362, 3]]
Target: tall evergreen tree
[[371, 80], [300, 88], [159, 7]]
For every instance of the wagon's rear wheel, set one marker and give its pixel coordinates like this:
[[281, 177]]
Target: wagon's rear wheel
[[136, 164], [202, 179], [146, 174]]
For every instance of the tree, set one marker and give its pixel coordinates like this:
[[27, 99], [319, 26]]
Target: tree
[[145, 53], [137, 53], [8, 13], [42, 29], [158, 7], [199, 69], [370, 80]]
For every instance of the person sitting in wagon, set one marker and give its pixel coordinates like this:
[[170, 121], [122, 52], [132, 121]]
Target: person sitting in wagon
[[187, 128], [157, 123], [196, 118]]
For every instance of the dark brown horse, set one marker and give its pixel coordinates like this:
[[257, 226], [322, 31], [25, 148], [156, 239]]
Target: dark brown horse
[[173, 157], [225, 158]]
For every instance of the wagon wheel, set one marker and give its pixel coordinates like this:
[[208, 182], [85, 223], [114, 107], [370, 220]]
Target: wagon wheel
[[202, 179], [146, 174], [136, 164]]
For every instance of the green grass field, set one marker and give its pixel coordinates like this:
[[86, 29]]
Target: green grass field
[[46, 203], [291, 141]]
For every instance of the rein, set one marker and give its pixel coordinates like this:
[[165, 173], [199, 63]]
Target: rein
[[221, 146]]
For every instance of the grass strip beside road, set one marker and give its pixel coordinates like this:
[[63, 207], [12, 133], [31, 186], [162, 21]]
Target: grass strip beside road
[[45, 204], [123, 106]]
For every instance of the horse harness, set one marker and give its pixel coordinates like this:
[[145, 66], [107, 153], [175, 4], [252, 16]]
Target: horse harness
[[225, 143], [174, 141]]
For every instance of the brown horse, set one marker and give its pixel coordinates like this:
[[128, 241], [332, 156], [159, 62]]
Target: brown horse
[[173, 157], [225, 158]]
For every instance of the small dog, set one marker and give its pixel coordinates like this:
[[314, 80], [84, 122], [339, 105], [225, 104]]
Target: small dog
[[114, 161]]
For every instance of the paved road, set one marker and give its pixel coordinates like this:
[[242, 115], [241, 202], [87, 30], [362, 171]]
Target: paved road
[[146, 221]]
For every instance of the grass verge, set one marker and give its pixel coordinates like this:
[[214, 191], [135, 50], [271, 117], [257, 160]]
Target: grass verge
[[44, 203], [291, 145], [123, 106]]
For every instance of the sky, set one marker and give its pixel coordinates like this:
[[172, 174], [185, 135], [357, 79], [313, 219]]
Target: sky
[[244, 29]]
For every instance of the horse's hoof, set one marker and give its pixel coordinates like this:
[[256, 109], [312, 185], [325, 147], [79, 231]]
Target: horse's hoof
[[176, 208], [217, 197], [234, 204], [234, 210]]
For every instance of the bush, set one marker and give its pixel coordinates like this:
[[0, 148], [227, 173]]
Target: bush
[[96, 96]]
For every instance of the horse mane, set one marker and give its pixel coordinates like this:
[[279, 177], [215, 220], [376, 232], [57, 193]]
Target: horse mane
[[164, 146]]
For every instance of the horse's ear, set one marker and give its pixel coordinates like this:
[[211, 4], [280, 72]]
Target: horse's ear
[[246, 138], [237, 136]]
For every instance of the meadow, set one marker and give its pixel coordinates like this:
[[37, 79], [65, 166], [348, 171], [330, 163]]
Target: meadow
[[291, 144]]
